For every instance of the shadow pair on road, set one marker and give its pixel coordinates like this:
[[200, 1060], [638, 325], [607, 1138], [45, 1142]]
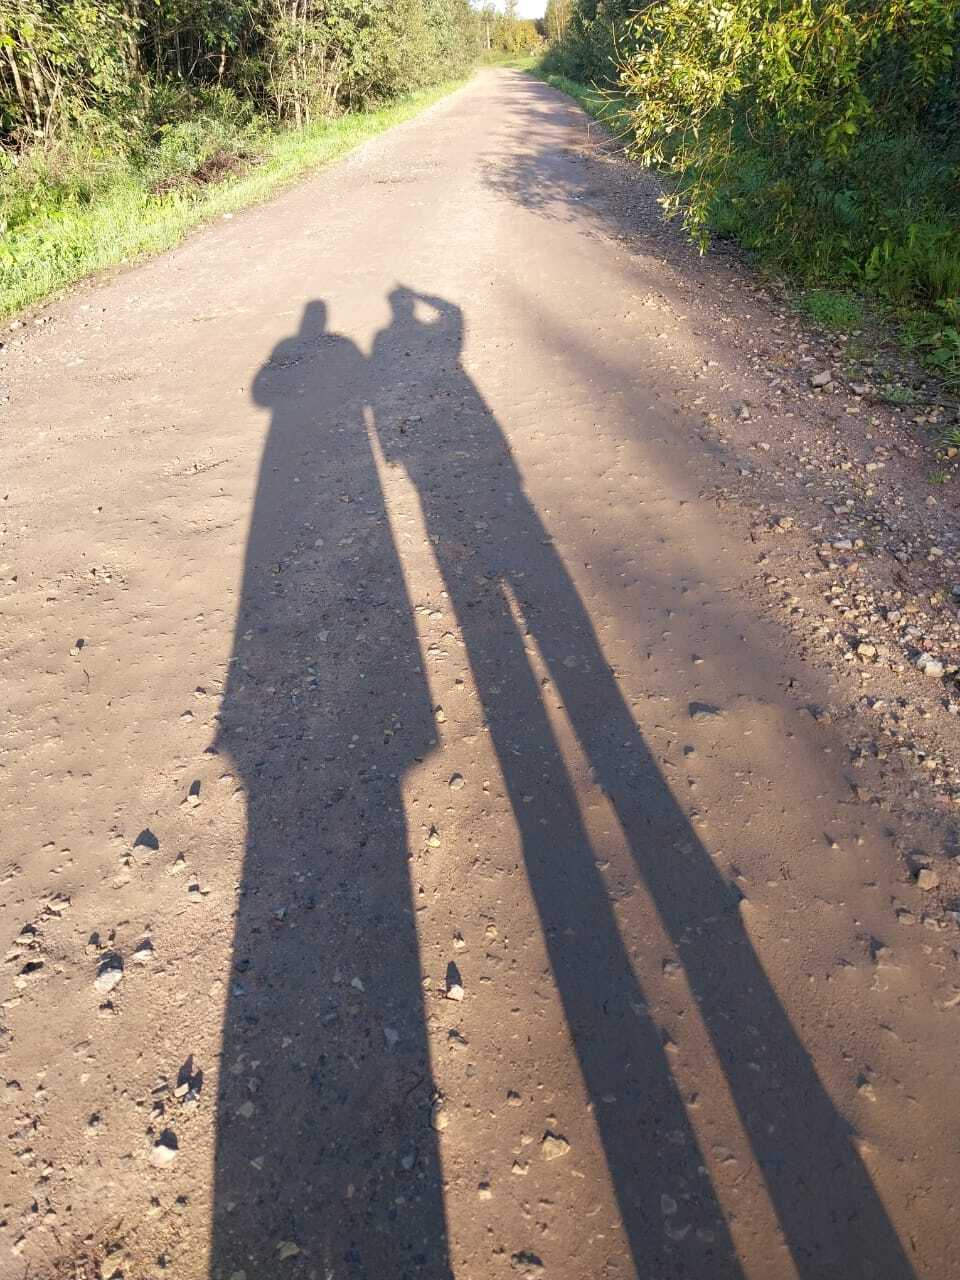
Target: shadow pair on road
[[324, 1143]]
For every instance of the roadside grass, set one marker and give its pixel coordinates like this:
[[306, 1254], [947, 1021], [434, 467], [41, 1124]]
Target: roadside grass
[[69, 214], [518, 61], [831, 309], [596, 103]]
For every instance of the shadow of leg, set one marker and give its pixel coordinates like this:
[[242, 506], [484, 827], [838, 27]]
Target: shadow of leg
[[651, 1150], [830, 1213], [324, 1139]]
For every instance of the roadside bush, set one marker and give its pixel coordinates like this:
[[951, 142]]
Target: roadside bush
[[807, 97], [822, 133]]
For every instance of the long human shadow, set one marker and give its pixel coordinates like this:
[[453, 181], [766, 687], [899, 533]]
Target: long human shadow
[[497, 559], [326, 1163], [323, 1140]]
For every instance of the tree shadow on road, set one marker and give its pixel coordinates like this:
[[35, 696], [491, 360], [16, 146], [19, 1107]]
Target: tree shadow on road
[[324, 1141]]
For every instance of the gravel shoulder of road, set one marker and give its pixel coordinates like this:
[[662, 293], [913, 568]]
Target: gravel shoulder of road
[[853, 544]]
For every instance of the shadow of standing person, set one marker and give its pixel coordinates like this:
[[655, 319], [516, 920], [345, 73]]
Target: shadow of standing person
[[324, 1144], [485, 536], [504, 575]]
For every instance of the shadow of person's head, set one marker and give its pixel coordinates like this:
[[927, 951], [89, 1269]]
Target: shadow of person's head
[[327, 364], [313, 322], [414, 315], [403, 303]]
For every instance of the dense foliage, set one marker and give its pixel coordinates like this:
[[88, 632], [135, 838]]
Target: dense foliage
[[823, 132], [100, 63], [588, 38]]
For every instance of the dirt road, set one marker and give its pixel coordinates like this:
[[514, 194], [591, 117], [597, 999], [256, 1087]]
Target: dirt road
[[428, 851]]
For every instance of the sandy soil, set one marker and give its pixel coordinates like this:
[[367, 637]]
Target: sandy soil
[[475, 801]]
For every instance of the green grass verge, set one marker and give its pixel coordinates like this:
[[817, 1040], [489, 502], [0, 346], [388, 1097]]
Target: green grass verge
[[834, 309], [120, 218], [594, 102], [517, 61]]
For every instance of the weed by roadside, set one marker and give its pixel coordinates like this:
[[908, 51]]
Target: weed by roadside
[[833, 310], [934, 334]]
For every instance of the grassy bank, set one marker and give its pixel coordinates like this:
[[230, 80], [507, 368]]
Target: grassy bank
[[68, 212], [594, 102]]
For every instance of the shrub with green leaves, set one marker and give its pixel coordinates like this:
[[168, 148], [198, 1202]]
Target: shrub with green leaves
[[62, 62], [822, 133], [801, 86]]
